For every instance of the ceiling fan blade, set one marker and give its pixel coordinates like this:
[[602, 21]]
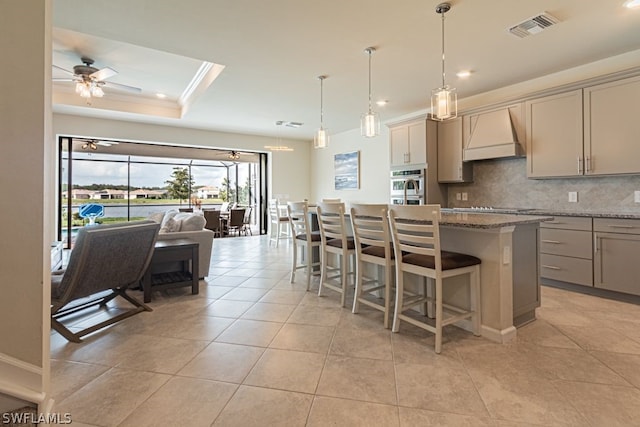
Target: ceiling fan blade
[[123, 87], [63, 80], [106, 143], [62, 69], [103, 74]]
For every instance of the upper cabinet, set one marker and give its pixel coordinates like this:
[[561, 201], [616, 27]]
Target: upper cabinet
[[408, 142], [612, 128], [451, 168], [590, 131], [554, 135]]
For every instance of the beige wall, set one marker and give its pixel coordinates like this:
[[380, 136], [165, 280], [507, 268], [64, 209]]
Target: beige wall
[[284, 164], [374, 168], [25, 205]]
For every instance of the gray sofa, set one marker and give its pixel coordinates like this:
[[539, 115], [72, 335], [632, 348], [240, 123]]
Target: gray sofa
[[183, 225]]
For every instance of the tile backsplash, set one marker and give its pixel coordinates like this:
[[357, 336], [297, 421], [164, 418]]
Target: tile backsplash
[[504, 183]]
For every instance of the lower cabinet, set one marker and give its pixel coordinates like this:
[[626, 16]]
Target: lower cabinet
[[566, 250], [616, 255]]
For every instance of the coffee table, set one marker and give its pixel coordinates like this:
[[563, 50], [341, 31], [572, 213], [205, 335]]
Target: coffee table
[[183, 251]]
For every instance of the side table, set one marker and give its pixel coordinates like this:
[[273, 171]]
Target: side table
[[183, 251]]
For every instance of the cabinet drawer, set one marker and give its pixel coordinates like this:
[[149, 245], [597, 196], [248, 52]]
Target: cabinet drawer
[[616, 225], [569, 223], [567, 269], [571, 243]]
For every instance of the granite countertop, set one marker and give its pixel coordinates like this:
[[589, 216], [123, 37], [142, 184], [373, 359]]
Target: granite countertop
[[488, 220], [586, 213]]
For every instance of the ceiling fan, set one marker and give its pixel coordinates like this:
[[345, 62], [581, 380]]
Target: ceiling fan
[[89, 80], [92, 144]]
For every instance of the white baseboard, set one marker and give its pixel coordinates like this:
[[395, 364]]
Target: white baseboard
[[21, 379], [501, 336]]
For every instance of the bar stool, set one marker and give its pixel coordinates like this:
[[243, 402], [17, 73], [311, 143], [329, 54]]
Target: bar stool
[[416, 235], [303, 238], [277, 221], [373, 246], [335, 240]]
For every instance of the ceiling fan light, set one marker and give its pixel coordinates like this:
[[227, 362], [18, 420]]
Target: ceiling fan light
[[79, 87], [97, 91], [85, 92]]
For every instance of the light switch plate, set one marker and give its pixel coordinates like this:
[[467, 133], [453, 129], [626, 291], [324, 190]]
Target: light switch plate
[[464, 196], [636, 196], [573, 196], [459, 196]]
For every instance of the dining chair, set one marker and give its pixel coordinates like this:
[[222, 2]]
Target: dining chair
[[303, 238], [416, 239], [335, 240], [246, 222], [373, 246], [236, 220], [277, 221], [212, 218]]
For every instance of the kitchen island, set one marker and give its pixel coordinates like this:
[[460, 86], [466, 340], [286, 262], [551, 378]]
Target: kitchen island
[[508, 246]]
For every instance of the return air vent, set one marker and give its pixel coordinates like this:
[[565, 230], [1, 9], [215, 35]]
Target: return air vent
[[288, 124], [533, 25]]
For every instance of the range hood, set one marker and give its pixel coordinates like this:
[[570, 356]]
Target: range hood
[[492, 136]]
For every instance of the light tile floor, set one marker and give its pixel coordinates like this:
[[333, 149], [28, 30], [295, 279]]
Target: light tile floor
[[254, 350]]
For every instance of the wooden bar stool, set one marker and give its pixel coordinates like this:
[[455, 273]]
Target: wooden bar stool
[[373, 246], [335, 240], [416, 236], [303, 239]]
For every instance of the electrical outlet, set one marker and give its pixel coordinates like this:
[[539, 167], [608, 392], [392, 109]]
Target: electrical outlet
[[573, 196], [464, 196], [636, 196], [459, 195]]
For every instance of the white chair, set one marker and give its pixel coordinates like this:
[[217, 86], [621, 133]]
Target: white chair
[[303, 238], [278, 228], [335, 240], [373, 246], [416, 236]]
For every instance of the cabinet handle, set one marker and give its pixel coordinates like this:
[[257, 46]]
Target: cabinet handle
[[555, 242], [579, 164], [621, 226], [595, 243], [459, 172], [552, 267], [588, 165], [553, 222]]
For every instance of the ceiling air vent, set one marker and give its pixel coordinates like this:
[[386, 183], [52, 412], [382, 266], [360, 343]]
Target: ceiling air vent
[[533, 25]]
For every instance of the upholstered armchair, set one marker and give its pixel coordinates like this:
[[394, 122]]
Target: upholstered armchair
[[104, 262]]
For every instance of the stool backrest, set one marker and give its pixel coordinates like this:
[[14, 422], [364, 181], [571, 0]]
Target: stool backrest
[[371, 227], [416, 230], [332, 223]]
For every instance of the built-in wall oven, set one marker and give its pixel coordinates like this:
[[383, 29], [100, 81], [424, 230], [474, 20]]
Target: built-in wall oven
[[414, 180]]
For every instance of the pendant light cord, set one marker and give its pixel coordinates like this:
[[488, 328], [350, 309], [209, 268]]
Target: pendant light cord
[[321, 101], [442, 13], [370, 50]]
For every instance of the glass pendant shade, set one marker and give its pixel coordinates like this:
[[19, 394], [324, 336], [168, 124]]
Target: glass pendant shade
[[321, 138], [97, 91], [444, 103], [370, 125]]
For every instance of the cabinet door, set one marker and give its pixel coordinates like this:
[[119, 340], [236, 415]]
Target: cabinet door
[[418, 142], [554, 135], [612, 128], [399, 145], [450, 165], [616, 265]]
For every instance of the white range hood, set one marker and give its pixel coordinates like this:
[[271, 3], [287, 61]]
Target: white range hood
[[492, 135]]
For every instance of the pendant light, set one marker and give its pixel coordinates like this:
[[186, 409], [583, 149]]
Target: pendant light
[[370, 122], [321, 138], [444, 100]]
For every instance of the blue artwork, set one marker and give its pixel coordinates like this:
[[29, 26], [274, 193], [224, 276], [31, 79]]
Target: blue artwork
[[91, 211], [346, 171]]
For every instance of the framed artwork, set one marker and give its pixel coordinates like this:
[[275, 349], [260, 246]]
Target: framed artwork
[[347, 171]]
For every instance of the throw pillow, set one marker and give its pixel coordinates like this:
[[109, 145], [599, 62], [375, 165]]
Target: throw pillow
[[170, 226], [193, 223]]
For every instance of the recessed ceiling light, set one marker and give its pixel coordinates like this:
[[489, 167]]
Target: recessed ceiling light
[[382, 103], [632, 4], [463, 74], [161, 95]]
